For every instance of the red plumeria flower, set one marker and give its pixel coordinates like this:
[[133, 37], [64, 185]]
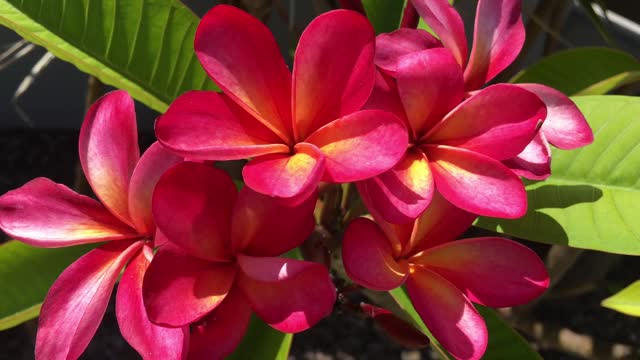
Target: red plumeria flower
[[444, 276], [455, 146], [220, 262], [498, 38], [299, 128], [45, 214]]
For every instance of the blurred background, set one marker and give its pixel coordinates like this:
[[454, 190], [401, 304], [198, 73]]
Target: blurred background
[[42, 104]]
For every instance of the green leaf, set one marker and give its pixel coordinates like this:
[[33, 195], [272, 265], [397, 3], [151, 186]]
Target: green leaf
[[504, 342], [583, 71], [142, 46], [385, 15], [626, 301], [591, 199], [262, 342], [26, 274]]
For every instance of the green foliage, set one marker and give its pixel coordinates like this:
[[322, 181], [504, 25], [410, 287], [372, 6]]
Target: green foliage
[[26, 273], [262, 342], [627, 301], [591, 199], [583, 71], [385, 15], [504, 342], [142, 46]]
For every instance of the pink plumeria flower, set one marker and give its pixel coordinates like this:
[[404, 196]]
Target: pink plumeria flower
[[498, 38], [45, 214], [455, 146], [298, 128], [220, 262], [443, 276]]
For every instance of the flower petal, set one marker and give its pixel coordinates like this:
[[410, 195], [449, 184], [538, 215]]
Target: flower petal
[[361, 145], [565, 126], [385, 97], [175, 280], [477, 183], [404, 192], [491, 271], [243, 58], [497, 39], [108, 147], [448, 314], [390, 47], [333, 71], [76, 302], [45, 214], [153, 163], [441, 222], [222, 330], [209, 126], [285, 175], [192, 207], [368, 258], [447, 24], [498, 121], [430, 85], [279, 292], [151, 341], [534, 162], [265, 226]]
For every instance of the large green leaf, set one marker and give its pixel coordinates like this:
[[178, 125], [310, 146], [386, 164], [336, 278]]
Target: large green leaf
[[583, 71], [142, 46], [504, 342], [385, 15], [627, 301], [26, 273], [262, 342], [592, 198]]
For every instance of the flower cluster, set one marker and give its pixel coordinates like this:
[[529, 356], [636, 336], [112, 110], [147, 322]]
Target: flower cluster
[[405, 116]]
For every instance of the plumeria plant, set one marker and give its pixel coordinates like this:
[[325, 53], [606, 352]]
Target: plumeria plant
[[364, 168]]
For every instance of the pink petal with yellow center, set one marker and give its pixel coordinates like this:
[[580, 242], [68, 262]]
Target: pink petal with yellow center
[[404, 192], [222, 330], [207, 125], [448, 314], [285, 175], [108, 147], [361, 145], [534, 162], [266, 226], [397, 234], [491, 271], [179, 289], [430, 85], [192, 206], [151, 341], [390, 47], [279, 291], [45, 214], [477, 183], [76, 302], [440, 223], [368, 258], [565, 126], [498, 121], [243, 58], [333, 71], [153, 163], [497, 39], [447, 24]]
